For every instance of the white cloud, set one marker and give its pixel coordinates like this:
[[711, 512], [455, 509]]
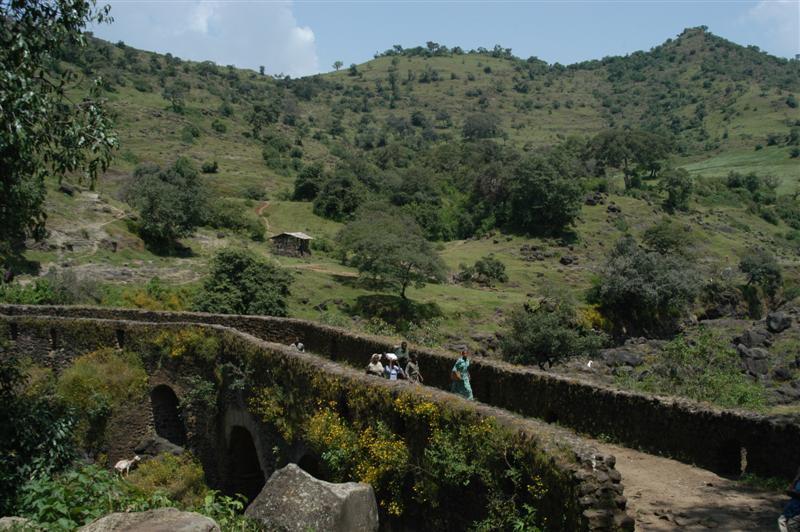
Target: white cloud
[[781, 20], [242, 33]]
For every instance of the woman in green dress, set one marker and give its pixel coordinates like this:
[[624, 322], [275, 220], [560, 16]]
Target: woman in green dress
[[460, 377]]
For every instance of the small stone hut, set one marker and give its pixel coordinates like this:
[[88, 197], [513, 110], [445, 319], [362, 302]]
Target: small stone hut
[[292, 244]]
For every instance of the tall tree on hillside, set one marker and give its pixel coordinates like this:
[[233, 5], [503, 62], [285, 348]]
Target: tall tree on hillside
[[634, 152], [387, 247], [337, 65], [43, 131]]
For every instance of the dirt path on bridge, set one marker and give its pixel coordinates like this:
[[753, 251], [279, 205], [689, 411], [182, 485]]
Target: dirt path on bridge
[[667, 495]]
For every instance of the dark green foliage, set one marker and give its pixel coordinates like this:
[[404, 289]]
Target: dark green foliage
[[219, 126], [762, 270], [42, 132], [644, 292], [388, 248], [679, 185], [210, 167], [705, 368], [225, 214], [242, 283], [308, 182], [668, 236], [481, 126], [486, 271], [791, 101], [37, 434], [175, 94], [339, 197], [788, 208], [544, 198], [545, 334], [171, 202], [635, 152]]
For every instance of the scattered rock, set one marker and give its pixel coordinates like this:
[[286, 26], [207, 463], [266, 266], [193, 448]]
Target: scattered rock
[[754, 360], [293, 500], [17, 523], [566, 260], [613, 207], [782, 374], [778, 322], [161, 520], [755, 338], [67, 189], [621, 357], [155, 445]]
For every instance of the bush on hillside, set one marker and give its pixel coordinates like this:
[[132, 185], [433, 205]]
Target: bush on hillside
[[171, 202], [546, 334], [678, 184], [242, 283], [644, 292], [486, 271], [668, 236], [210, 167], [339, 197], [231, 215], [762, 270]]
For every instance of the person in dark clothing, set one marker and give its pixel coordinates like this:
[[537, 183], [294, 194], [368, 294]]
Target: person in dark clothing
[[789, 520]]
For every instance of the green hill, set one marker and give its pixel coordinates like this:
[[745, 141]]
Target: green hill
[[395, 126]]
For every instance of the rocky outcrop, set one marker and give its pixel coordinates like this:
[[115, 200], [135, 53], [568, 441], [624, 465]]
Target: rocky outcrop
[[161, 520], [778, 322], [155, 445], [293, 500]]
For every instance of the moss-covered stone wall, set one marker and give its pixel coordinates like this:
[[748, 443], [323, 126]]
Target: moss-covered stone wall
[[708, 436], [578, 488]]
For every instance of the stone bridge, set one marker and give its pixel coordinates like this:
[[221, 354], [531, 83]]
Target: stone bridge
[[236, 447]]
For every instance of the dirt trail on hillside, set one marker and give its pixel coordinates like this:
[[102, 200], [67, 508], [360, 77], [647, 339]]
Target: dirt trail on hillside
[[667, 495]]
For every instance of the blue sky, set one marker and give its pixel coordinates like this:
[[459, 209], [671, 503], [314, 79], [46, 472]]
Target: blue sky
[[305, 37]]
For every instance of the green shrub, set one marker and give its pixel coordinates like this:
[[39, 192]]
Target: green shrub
[[242, 283], [486, 271], [667, 236], [219, 126], [705, 368], [210, 167], [78, 497], [545, 334], [762, 270], [642, 291], [180, 478], [231, 215]]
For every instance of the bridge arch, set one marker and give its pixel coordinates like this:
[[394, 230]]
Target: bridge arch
[[244, 473], [167, 419]]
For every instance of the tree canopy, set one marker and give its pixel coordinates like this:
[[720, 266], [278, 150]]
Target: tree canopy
[[171, 201], [44, 132], [388, 247], [242, 283]]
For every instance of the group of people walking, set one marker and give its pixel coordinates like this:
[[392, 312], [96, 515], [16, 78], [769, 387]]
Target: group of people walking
[[403, 365]]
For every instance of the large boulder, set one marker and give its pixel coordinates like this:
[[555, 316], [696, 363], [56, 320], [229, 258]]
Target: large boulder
[[155, 445], [621, 357], [161, 520], [755, 338], [778, 321], [294, 501]]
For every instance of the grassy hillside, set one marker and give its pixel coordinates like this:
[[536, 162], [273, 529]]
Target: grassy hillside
[[718, 102]]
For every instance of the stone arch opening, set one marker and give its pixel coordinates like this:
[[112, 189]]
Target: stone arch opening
[[167, 419], [731, 458], [244, 475]]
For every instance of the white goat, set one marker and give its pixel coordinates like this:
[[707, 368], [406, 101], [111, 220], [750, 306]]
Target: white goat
[[124, 466]]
